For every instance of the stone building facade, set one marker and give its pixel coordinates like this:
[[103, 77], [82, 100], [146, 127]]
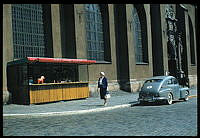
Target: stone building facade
[[134, 42]]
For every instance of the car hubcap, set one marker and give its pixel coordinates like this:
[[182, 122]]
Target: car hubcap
[[169, 99], [186, 96]]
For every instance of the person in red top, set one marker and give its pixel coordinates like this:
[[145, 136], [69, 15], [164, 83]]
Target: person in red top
[[41, 80]]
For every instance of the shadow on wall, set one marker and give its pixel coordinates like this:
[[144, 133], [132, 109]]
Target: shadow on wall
[[193, 80], [125, 85], [133, 86]]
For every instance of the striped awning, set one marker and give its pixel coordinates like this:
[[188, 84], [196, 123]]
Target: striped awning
[[61, 60]]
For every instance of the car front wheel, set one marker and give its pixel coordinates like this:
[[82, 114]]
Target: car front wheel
[[169, 99], [186, 96]]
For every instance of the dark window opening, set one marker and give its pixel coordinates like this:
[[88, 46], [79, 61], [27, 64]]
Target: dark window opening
[[96, 32], [29, 37], [140, 34]]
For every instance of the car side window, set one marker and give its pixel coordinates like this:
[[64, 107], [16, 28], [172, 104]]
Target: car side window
[[169, 82], [175, 81]]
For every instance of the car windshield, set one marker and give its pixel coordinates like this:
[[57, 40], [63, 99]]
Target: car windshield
[[153, 80]]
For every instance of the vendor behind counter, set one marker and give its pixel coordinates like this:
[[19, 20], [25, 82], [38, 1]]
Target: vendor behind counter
[[41, 80]]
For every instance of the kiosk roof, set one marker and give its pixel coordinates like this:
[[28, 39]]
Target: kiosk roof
[[52, 60]]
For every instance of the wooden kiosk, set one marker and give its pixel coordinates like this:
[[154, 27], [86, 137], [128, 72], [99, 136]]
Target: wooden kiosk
[[61, 80]]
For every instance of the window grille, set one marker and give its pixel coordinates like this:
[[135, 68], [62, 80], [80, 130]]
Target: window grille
[[94, 32], [28, 30], [137, 36]]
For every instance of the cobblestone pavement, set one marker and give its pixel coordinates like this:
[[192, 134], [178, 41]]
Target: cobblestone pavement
[[178, 119], [118, 99]]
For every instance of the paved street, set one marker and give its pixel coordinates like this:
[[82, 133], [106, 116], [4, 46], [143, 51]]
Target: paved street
[[178, 119]]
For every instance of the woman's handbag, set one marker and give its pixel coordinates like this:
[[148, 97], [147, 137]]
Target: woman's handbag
[[107, 95]]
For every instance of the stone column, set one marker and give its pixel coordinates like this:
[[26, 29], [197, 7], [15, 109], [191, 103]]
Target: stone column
[[113, 86], [164, 37], [56, 30], [7, 46], [80, 40]]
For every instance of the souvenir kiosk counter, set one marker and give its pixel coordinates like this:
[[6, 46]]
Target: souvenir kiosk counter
[[61, 80]]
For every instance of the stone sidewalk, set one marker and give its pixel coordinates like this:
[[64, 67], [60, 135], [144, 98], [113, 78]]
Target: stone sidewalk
[[118, 99]]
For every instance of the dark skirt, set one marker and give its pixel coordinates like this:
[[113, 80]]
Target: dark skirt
[[102, 93]]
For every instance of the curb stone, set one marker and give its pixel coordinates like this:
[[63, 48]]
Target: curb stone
[[71, 112]]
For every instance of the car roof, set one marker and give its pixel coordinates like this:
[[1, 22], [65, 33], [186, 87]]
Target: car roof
[[160, 77]]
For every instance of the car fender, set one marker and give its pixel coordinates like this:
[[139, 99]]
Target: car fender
[[183, 92], [164, 92]]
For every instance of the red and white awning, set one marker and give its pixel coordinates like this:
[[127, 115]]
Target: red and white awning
[[61, 60]]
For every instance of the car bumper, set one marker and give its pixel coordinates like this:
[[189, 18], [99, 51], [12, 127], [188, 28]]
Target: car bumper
[[151, 99]]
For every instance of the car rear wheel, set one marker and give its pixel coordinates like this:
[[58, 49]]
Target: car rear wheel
[[169, 99], [186, 96]]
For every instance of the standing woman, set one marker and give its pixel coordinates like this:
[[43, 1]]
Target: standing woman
[[103, 84]]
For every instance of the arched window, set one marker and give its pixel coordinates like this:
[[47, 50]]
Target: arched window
[[139, 34], [94, 32], [28, 30], [192, 49]]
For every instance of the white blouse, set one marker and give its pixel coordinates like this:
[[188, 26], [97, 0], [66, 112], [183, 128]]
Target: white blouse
[[100, 81]]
